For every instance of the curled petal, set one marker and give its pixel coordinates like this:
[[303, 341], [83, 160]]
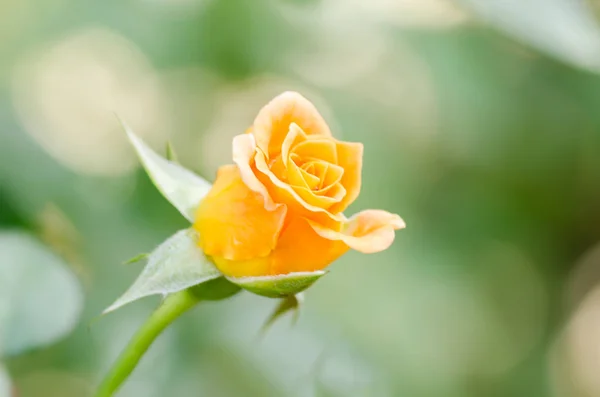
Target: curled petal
[[233, 222], [323, 149], [244, 149], [335, 195], [295, 135], [273, 121], [284, 193], [332, 177], [298, 177], [367, 232], [350, 156]]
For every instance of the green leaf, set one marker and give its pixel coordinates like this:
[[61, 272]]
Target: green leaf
[[278, 286], [287, 304], [176, 264], [180, 186], [40, 299], [565, 29], [5, 384]]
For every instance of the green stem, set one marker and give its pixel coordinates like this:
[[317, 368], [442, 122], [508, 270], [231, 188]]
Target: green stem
[[174, 306]]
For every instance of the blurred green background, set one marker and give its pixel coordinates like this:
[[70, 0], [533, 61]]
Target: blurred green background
[[481, 125]]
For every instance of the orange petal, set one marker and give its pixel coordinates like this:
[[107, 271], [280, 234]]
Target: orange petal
[[299, 249], [273, 121], [322, 149], [295, 135], [350, 156], [335, 194], [249, 268], [284, 193], [317, 167], [367, 232], [332, 177], [233, 222], [298, 177], [327, 174], [244, 149], [279, 169]]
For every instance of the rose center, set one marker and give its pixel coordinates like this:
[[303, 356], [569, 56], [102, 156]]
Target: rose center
[[309, 164]]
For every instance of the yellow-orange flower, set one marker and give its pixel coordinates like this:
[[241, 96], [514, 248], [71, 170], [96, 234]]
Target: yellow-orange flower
[[279, 208]]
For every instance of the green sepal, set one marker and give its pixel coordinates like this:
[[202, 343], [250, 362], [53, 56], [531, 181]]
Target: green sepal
[[215, 290], [279, 286], [287, 304]]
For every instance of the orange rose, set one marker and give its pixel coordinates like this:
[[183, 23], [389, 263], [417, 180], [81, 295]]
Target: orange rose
[[278, 209]]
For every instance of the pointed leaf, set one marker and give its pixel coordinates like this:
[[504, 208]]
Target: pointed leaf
[[287, 304], [175, 265], [278, 286], [180, 186], [40, 299]]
